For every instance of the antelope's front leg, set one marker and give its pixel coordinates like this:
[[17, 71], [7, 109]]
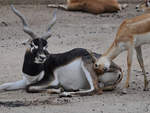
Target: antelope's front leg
[[21, 84], [45, 86], [129, 63]]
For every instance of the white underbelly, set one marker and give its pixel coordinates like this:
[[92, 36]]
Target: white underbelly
[[71, 76], [141, 39]]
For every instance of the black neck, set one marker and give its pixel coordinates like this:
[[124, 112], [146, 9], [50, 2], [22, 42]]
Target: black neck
[[29, 67]]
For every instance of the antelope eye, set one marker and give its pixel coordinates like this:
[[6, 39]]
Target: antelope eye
[[36, 41], [33, 45], [44, 43], [45, 47]]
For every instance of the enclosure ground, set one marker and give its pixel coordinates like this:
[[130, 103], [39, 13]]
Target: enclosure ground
[[72, 30]]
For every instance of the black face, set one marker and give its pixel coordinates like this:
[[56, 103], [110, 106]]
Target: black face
[[39, 50]]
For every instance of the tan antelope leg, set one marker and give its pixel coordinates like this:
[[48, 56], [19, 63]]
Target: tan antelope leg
[[129, 63], [140, 60]]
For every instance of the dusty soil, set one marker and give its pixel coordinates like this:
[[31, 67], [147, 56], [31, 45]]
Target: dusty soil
[[73, 29]]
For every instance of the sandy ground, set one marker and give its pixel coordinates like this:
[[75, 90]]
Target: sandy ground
[[73, 29]]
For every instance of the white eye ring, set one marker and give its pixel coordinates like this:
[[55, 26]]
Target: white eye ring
[[45, 47], [34, 46]]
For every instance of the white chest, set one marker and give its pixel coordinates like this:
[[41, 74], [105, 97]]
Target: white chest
[[33, 79], [142, 39]]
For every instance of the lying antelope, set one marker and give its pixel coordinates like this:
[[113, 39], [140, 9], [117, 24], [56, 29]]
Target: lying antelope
[[71, 71], [132, 33], [91, 6]]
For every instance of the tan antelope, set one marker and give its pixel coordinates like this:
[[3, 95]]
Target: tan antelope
[[132, 33], [68, 73], [91, 6]]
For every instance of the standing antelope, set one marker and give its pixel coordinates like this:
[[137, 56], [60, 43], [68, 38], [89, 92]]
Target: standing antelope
[[72, 71], [132, 33], [91, 6]]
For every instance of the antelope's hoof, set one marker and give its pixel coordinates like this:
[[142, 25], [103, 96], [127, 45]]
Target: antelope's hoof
[[124, 91], [145, 89], [146, 86], [99, 92], [65, 94], [127, 86]]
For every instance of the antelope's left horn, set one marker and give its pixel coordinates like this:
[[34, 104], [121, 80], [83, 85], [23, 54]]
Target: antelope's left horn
[[48, 34]]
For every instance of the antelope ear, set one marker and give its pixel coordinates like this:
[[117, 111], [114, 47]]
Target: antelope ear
[[27, 42], [94, 59]]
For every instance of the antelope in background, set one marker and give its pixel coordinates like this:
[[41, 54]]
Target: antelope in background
[[68, 73], [91, 6], [132, 33]]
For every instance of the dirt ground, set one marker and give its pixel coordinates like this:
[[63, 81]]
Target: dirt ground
[[73, 29]]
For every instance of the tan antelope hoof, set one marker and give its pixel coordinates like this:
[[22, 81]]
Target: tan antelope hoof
[[146, 86], [145, 89], [99, 92]]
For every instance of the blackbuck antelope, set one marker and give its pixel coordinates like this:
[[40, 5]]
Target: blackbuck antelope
[[132, 33], [68, 73], [144, 6], [91, 6]]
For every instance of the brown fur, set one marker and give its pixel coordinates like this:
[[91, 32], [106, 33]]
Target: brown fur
[[92, 6]]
